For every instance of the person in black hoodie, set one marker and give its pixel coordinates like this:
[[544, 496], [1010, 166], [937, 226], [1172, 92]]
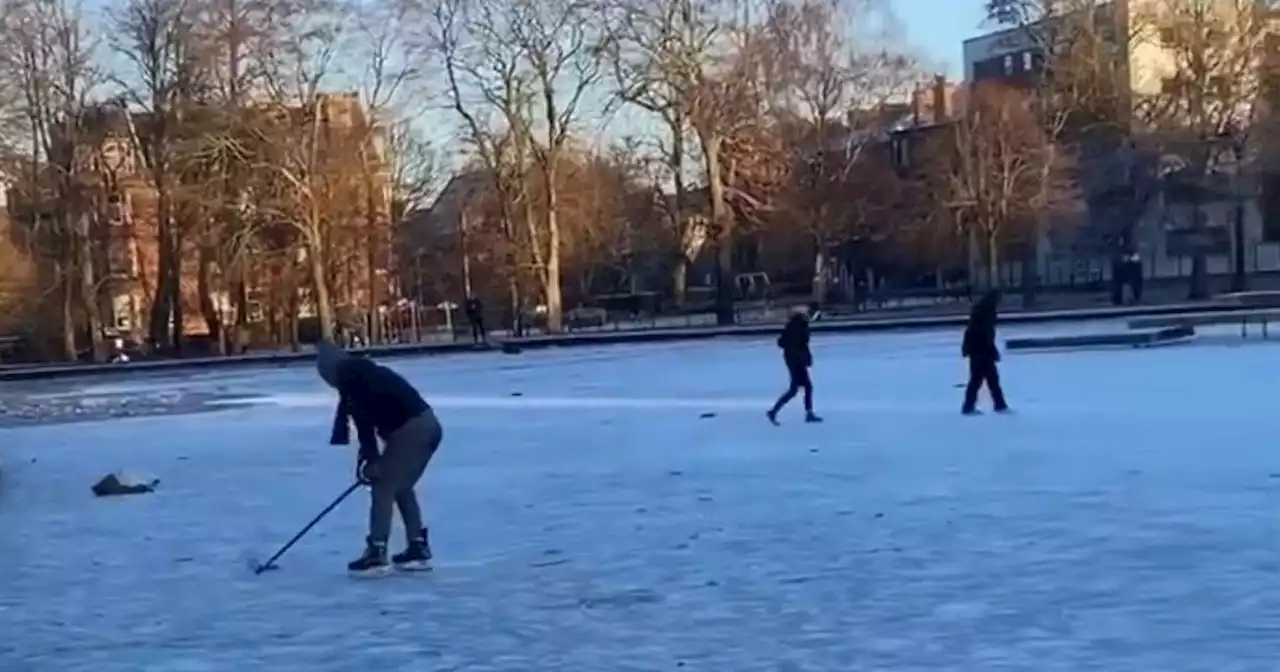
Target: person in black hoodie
[[382, 404], [475, 315], [980, 348], [794, 341]]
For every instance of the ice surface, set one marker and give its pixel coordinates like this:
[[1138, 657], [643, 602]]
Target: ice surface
[[1124, 519]]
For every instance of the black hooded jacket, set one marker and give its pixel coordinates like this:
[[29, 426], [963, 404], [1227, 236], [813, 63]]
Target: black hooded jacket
[[794, 341], [377, 400], [980, 334]]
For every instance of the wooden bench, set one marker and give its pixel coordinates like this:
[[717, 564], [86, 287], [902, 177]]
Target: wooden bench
[[1244, 318], [1135, 339]]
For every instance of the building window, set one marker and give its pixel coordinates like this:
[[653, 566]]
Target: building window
[[1008, 64], [1026, 61], [1168, 36]]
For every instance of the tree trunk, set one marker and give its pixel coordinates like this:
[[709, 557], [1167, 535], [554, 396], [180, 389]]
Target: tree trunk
[[320, 288], [375, 294], [209, 307], [721, 221], [161, 304], [680, 281], [993, 262], [551, 276], [1199, 289], [89, 287], [680, 284], [175, 291], [69, 349], [517, 319], [376, 250], [819, 272]]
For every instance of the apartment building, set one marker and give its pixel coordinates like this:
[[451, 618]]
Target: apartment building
[[1151, 75]]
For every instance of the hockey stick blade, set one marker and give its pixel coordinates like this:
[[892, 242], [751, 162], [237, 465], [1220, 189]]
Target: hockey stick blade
[[252, 561]]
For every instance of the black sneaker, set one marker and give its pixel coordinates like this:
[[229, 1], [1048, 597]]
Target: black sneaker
[[810, 417], [373, 562], [772, 415], [416, 556]]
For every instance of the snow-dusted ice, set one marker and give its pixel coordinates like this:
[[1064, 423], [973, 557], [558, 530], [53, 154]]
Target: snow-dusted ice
[[1126, 518]]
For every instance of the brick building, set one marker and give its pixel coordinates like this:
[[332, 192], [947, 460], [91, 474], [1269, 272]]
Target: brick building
[[121, 201]]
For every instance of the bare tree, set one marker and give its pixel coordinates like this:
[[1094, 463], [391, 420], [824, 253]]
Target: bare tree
[[532, 63], [1208, 105], [488, 89], [826, 74], [560, 42], [392, 72], [692, 59], [236, 39], [654, 51], [49, 63], [157, 38], [1007, 178], [291, 143]]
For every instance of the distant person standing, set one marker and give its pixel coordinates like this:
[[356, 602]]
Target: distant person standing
[[475, 316], [980, 348], [794, 342]]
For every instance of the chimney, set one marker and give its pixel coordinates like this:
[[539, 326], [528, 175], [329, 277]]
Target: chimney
[[940, 90]]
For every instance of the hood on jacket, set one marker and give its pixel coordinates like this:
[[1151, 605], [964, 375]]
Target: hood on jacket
[[986, 306], [329, 359]]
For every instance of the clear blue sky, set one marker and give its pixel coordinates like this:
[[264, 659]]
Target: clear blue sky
[[938, 27]]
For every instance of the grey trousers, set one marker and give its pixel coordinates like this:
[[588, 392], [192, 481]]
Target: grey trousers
[[405, 456]]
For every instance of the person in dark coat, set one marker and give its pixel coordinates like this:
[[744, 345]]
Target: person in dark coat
[[980, 348], [382, 404], [475, 315], [794, 342]]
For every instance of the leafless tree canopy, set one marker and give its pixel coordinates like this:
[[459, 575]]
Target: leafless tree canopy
[[211, 175]]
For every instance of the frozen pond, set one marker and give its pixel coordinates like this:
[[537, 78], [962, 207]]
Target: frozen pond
[[1124, 519]]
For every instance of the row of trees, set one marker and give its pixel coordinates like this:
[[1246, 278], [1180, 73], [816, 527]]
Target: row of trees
[[775, 112], [759, 119], [206, 143]]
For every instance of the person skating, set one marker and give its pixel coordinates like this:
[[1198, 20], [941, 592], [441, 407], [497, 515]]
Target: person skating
[[980, 348], [382, 404], [794, 342]]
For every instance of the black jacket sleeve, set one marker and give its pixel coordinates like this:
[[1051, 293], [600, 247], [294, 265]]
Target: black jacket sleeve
[[365, 433], [353, 408], [341, 435]]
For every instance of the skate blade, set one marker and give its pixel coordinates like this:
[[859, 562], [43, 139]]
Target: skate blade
[[370, 573], [414, 566]]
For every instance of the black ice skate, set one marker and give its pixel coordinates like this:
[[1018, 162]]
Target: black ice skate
[[971, 411], [416, 556], [810, 417], [373, 562], [773, 416]]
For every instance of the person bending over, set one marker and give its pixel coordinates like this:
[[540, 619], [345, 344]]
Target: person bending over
[[382, 404]]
